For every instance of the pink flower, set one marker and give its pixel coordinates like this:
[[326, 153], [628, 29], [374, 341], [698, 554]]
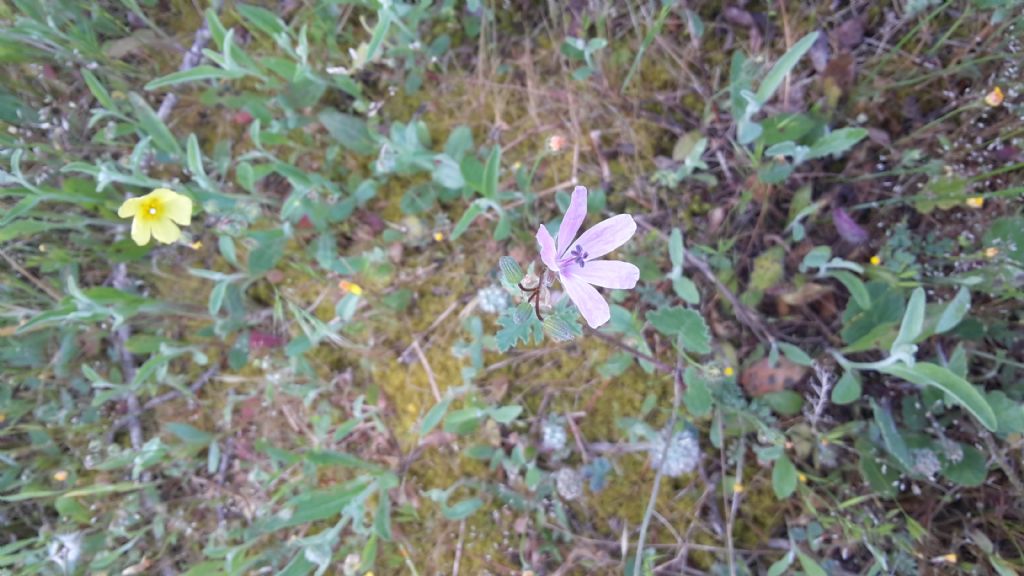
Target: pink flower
[[848, 228], [576, 262]]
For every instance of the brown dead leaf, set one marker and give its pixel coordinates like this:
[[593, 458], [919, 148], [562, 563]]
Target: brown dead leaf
[[850, 33], [805, 294], [840, 76], [762, 378]]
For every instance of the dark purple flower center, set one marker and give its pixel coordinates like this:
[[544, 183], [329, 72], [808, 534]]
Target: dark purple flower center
[[579, 255]]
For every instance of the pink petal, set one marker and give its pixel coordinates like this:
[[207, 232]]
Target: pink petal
[[587, 300], [573, 219], [547, 248], [606, 274], [605, 236], [847, 227]]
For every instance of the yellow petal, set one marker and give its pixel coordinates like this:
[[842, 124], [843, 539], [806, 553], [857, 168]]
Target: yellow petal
[[165, 231], [177, 206], [129, 208], [140, 231]]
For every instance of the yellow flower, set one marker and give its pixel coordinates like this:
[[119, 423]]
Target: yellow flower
[[351, 287], [156, 214], [950, 558], [197, 245], [60, 475], [995, 97], [737, 488], [728, 371], [976, 202], [991, 252], [802, 477], [876, 261], [438, 236]]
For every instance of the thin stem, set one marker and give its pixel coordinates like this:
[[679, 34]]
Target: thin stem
[[677, 381], [620, 344]]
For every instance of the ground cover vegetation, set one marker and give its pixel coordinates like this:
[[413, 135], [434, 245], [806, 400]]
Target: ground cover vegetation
[[513, 288]]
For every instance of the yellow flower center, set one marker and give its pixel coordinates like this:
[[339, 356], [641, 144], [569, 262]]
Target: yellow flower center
[[151, 209]]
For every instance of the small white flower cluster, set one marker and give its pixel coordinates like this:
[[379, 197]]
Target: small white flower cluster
[[569, 483], [552, 436], [493, 299], [682, 457], [926, 463]]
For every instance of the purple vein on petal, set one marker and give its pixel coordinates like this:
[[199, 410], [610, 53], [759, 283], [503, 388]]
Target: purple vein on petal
[[547, 248], [606, 235], [573, 219], [608, 274], [587, 300]]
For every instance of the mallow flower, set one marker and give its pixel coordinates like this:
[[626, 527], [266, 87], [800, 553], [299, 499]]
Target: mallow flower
[[577, 264], [157, 214]]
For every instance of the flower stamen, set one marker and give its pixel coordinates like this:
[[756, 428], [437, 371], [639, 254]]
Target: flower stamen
[[578, 256]]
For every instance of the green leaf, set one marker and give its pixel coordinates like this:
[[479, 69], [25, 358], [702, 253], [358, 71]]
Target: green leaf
[[152, 125], [194, 158], [1002, 567], [518, 324], [810, 565], [382, 521], [848, 389], [199, 73], [785, 402], [343, 459], [462, 416], [99, 489], [263, 19], [72, 509], [892, 438], [348, 130], [1009, 413], [942, 192], [783, 478], [836, 142], [675, 249], [268, 251], [460, 141], [462, 509], [686, 290], [913, 320], [970, 471], [881, 482], [491, 173], [960, 390], [434, 416], [447, 172], [467, 218], [505, 414], [795, 355], [685, 324], [779, 567], [189, 434], [955, 311], [220, 289], [697, 397], [1007, 234], [98, 90], [783, 67], [858, 291]]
